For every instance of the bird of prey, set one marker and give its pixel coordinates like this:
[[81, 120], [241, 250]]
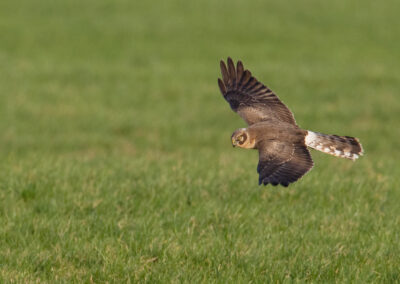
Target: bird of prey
[[272, 130]]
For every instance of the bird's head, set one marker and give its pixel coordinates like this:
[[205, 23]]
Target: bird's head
[[242, 139]]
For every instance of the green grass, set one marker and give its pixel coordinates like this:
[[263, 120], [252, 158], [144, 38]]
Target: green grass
[[115, 156]]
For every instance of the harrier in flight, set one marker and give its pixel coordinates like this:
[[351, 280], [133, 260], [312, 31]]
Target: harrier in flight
[[272, 130]]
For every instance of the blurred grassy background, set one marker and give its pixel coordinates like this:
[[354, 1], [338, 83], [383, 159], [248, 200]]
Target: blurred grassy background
[[115, 156]]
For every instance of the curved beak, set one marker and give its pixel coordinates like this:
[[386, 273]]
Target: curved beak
[[234, 142]]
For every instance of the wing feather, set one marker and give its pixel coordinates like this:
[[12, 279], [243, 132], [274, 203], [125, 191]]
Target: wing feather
[[243, 81], [231, 71], [283, 163], [239, 70], [224, 72], [251, 99], [221, 85]]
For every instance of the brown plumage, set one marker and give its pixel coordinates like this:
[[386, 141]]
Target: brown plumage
[[281, 144]]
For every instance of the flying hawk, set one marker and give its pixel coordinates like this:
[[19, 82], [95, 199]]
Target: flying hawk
[[282, 144]]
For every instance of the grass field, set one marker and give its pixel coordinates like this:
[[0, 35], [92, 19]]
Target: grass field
[[115, 155]]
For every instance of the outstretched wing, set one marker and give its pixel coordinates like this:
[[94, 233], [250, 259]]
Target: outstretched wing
[[282, 162], [248, 97]]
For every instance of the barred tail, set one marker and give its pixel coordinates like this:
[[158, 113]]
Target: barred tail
[[339, 146]]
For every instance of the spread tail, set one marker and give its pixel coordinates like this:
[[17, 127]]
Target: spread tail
[[339, 146]]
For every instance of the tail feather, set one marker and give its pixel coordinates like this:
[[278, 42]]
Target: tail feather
[[339, 146]]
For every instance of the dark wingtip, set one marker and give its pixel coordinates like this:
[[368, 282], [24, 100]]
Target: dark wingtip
[[246, 74], [239, 64], [222, 86], [239, 71], [264, 182], [224, 72], [222, 64], [274, 183], [231, 69]]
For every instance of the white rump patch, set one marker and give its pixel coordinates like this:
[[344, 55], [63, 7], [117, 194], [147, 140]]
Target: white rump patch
[[311, 139]]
